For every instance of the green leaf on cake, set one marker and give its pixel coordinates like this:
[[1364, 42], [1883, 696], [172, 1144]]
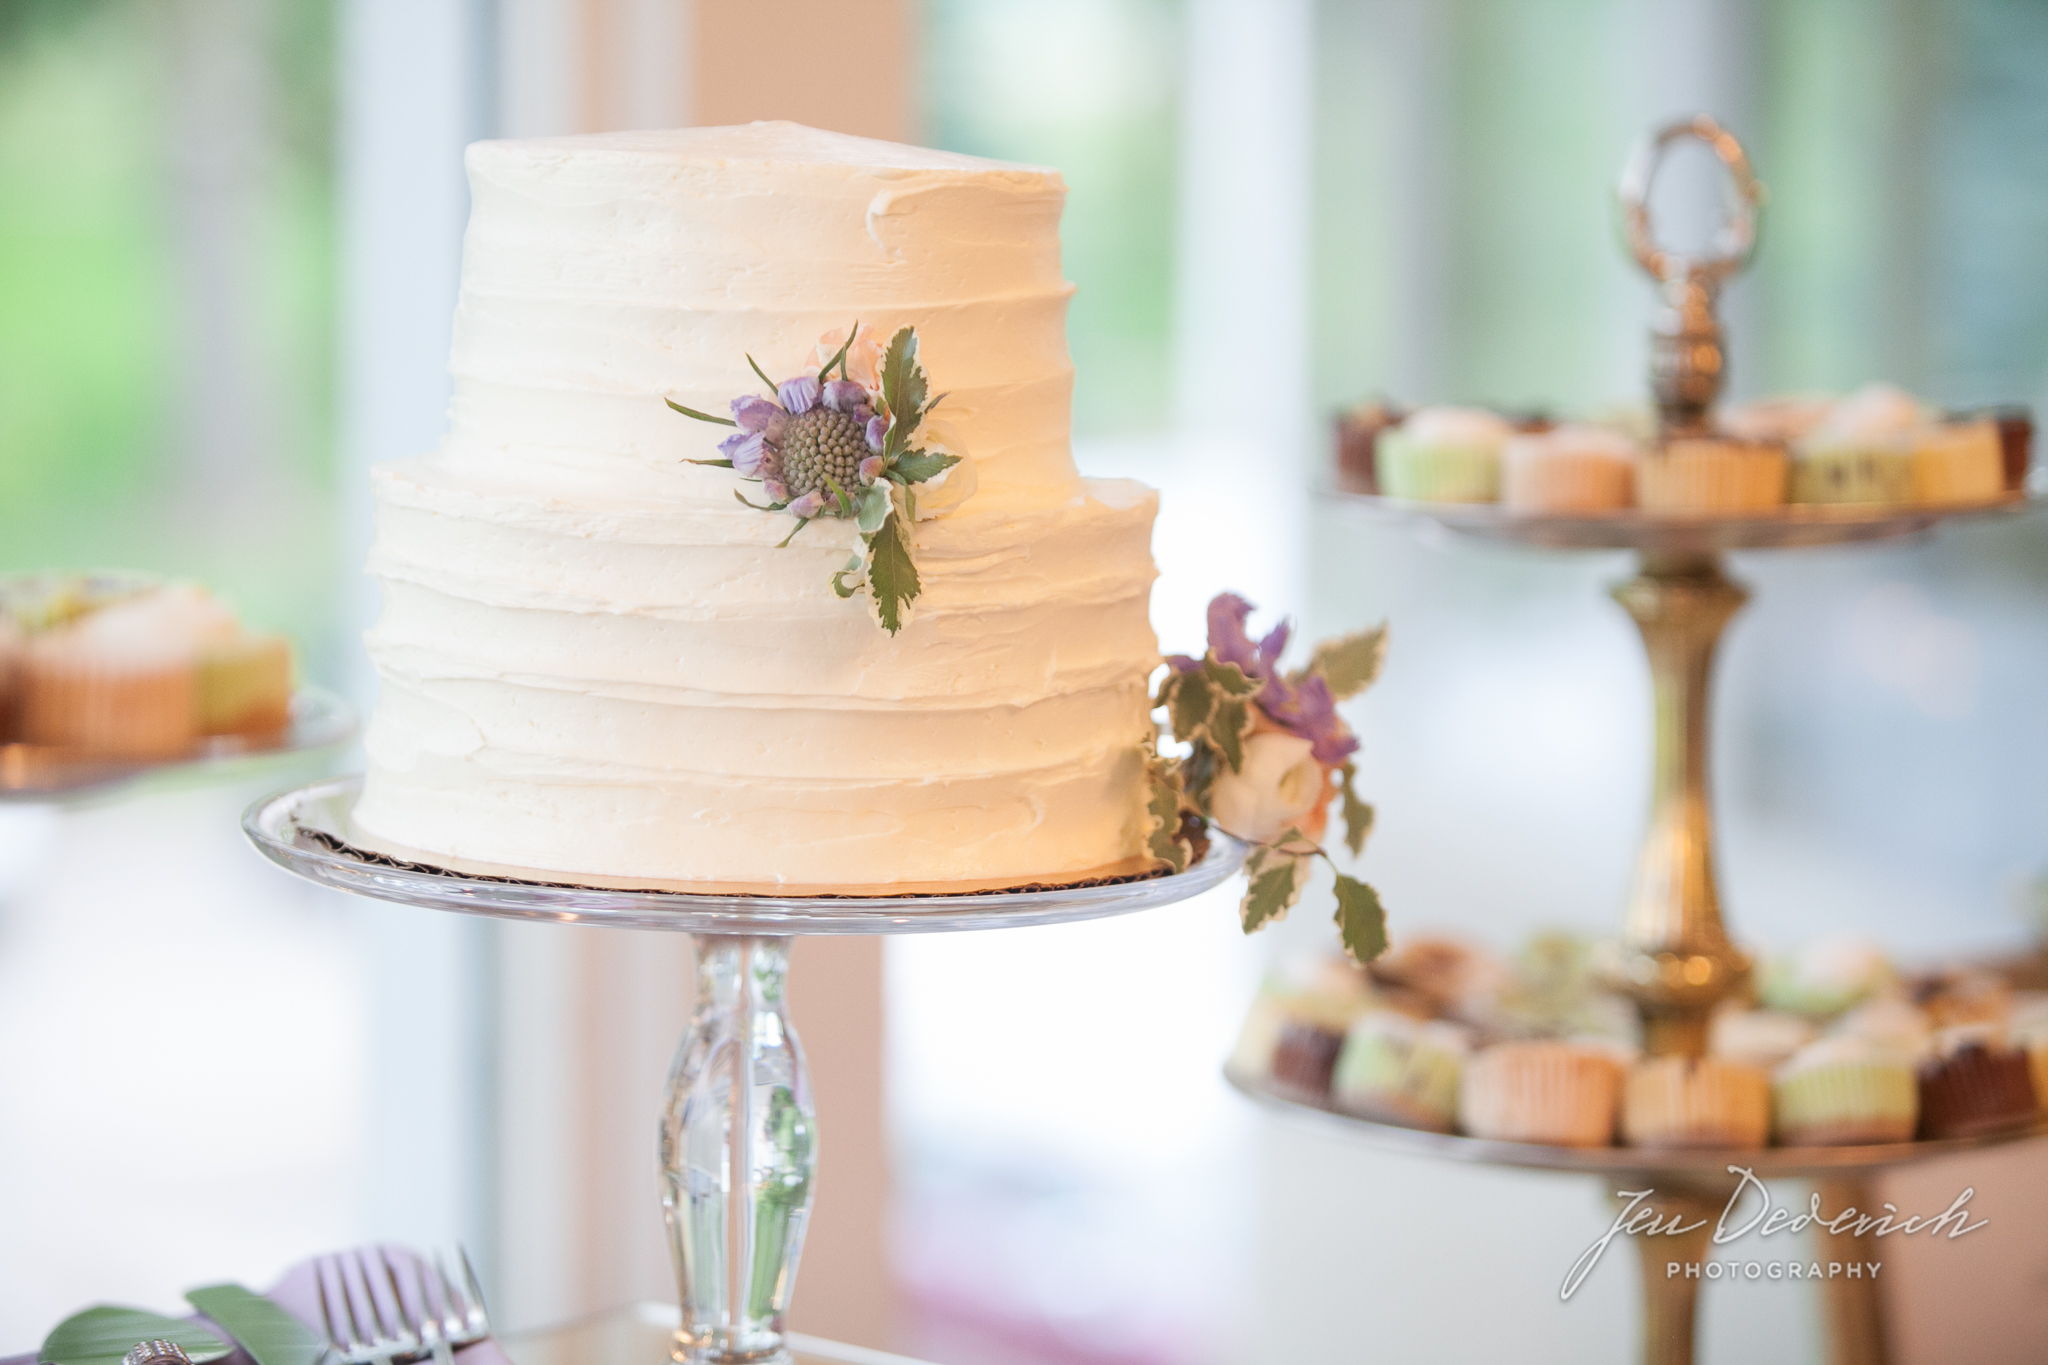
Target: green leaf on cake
[[892, 577], [702, 416], [1229, 725], [903, 387], [853, 568], [102, 1335], [873, 509], [1350, 664], [773, 390], [1189, 699], [1230, 680], [715, 464], [1162, 813], [771, 507], [1358, 816], [840, 359], [839, 495], [918, 465], [1274, 877], [1361, 921]]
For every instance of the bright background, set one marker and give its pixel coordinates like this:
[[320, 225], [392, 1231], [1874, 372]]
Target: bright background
[[1277, 207]]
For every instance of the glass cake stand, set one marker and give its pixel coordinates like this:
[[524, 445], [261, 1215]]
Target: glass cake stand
[[738, 1134], [43, 774]]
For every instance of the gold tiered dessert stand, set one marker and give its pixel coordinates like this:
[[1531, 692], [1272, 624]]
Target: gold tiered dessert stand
[[1676, 960]]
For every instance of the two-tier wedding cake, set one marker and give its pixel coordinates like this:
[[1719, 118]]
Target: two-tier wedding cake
[[595, 660]]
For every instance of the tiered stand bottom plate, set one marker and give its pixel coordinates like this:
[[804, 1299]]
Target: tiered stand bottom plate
[[738, 1134]]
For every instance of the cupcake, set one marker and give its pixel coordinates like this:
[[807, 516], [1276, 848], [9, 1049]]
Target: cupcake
[[1397, 1070], [1896, 1023], [1569, 469], [1358, 436], [1780, 420], [1825, 977], [1845, 1091], [1759, 1038], [1443, 455], [1695, 1102], [1863, 450], [12, 647], [1429, 975], [2029, 1029], [131, 678], [1961, 996], [1296, 1024], [1958, 462], [245, 686], [1692, 475], [1559, 1093], [1975, 1081], [2015, 423]]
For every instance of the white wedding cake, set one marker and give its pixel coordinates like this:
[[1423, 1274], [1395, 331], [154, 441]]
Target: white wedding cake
[[596, 661]]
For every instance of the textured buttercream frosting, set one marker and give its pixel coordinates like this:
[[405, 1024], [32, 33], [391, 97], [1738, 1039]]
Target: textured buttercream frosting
[[594, 660]]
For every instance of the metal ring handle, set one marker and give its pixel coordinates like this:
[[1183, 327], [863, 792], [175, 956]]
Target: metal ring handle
[[1736, 238]]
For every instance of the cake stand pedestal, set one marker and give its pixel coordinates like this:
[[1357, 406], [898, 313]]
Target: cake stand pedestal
[[738, 1137], [1697, 1184], [1676, 959]]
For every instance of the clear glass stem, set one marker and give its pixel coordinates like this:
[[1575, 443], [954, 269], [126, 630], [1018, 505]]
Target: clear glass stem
[[739, 1144]]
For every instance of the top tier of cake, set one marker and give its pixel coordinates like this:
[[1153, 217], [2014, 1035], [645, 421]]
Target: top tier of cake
[[600, 269]]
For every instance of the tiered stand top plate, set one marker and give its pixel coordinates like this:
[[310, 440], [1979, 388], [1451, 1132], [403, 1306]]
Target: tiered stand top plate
[[33, 773], [288, 829], [1790, 527], [1765, 1162]]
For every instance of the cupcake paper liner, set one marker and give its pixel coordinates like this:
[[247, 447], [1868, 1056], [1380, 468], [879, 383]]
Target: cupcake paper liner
[[1976, 1090], [1682, 1102], [1846, 1103], [1541, 1092], [1711, 476]]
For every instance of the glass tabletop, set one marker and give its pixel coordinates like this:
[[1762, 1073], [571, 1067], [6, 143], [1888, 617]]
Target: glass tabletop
[[639, 1334]]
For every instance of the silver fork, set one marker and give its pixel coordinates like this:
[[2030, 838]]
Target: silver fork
[[359, 1332]]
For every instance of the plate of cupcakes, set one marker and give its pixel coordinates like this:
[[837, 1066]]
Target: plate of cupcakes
[[1839, 1059], [1783, 471], [109, 677]]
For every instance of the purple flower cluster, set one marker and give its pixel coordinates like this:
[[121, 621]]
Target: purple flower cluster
[[804, 425], [1301, 705]]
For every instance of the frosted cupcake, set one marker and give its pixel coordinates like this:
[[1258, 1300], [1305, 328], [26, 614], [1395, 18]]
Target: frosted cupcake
[[1825, 977], [1443, 455], [1700, 475], [123, 680], [1398, 1070], [1558, 1093], [1569, 469], [1781, 419], [1296, 1024], [1958, 462], [1863, 450], [1975, 1081], [1695, 1102], [1896, 1023], [1759, 1038], [1845, 1091]]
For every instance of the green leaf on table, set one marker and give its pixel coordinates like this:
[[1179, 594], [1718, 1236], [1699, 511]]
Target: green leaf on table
[[892, 577], [102, 1335], [1361, 921], [1274, 877], [918, 465], [268, 1333], [1358, 816], [1351, 663]]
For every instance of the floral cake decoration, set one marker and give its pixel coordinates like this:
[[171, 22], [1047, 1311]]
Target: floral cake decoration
[[853, 446], [1260, 753]]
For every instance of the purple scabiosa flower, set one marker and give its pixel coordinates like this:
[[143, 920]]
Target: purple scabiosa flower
[[871, 469], [1304, 708], [843, 395], [775, 488], [808, 506], [877, 433], [760, 415], [798, 395], [750, 453]]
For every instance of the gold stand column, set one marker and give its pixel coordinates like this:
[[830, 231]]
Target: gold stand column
[[1671, 1301], [1676, 960]]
